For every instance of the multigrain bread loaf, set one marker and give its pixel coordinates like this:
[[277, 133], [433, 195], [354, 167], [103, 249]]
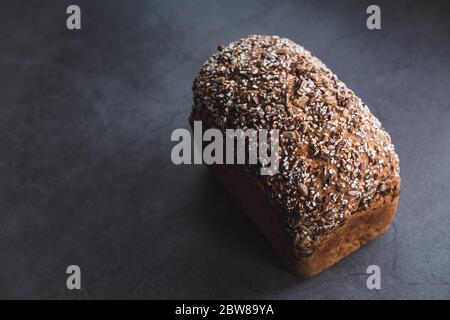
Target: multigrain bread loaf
[[338, 181]]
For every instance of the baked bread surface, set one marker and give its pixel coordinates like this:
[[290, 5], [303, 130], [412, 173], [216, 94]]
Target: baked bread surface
[[338, 181]]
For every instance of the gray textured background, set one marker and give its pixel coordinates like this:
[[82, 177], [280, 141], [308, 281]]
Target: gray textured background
[[85, 171]]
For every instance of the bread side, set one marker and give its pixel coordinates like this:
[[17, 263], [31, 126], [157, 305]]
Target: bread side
[[337, 162], [358, 229]]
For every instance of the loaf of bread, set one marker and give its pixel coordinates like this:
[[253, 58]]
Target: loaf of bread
[[338, 181]]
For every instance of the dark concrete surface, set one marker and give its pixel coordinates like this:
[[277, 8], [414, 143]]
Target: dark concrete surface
[[85, 170]]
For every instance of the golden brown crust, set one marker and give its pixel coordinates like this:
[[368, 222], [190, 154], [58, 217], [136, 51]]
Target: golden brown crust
[[360, 228]]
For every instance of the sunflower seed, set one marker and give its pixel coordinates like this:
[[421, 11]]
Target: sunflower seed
[[353, 193], [303, 189]]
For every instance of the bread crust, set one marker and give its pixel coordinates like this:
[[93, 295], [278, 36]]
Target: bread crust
[[338, 181], [330, 248]]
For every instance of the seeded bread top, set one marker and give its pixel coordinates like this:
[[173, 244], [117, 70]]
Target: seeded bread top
[[335, 157]]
